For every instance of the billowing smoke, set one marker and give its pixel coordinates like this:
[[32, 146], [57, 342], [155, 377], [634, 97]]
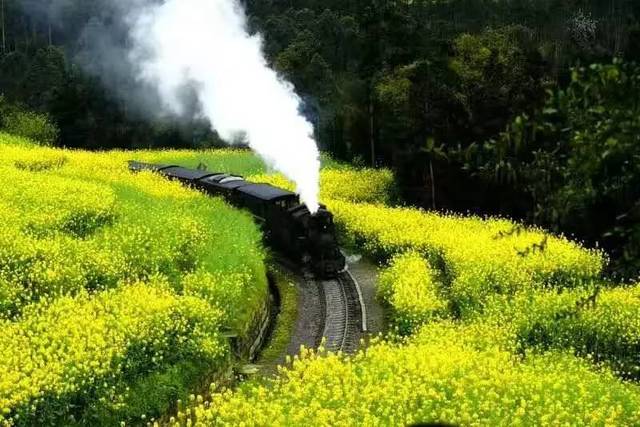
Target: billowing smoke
[[202, 47], [204, 44]]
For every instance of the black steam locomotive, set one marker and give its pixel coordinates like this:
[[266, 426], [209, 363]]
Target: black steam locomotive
[[287, 224]]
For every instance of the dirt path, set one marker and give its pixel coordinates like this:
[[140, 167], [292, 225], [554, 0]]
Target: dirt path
[[310, 321], [366, 274]]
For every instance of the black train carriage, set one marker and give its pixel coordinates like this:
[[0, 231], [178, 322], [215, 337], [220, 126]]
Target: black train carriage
[[287, 224]]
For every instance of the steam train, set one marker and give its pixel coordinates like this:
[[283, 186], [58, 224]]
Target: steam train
[[287, 224]]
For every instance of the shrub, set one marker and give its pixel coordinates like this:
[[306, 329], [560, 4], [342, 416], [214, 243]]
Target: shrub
[[411, 288], [603, 326], [15, 140], [28, 124]]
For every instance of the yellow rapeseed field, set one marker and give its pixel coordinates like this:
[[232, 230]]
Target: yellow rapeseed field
[[112, 281], [358, 186], [477, 257], [437, 376], [115, 287], [601, 324], [91, 348], [523, 303], [412, 288]]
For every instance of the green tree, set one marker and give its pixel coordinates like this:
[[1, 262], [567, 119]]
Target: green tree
[[578, 160], [499, 75]]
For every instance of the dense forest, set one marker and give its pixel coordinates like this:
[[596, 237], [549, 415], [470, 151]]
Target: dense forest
[[521, 108]]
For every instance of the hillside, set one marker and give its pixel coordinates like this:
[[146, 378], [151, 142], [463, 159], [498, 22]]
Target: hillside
[[114, 288], [120, 292]]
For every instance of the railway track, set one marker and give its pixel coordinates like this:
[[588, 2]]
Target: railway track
[[345, 319], [333, 310]]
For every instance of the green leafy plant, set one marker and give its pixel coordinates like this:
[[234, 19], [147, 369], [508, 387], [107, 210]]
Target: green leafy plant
[[577, 160], [18, 121]]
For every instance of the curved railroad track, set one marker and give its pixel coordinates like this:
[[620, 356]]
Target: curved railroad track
[[333, 310], [345, 318]]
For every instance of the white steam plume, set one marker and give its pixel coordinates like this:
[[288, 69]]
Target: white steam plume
[[204, 44]]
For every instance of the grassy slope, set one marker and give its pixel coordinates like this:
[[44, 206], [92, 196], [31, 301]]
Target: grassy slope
[[76, 224], [285, 322]]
